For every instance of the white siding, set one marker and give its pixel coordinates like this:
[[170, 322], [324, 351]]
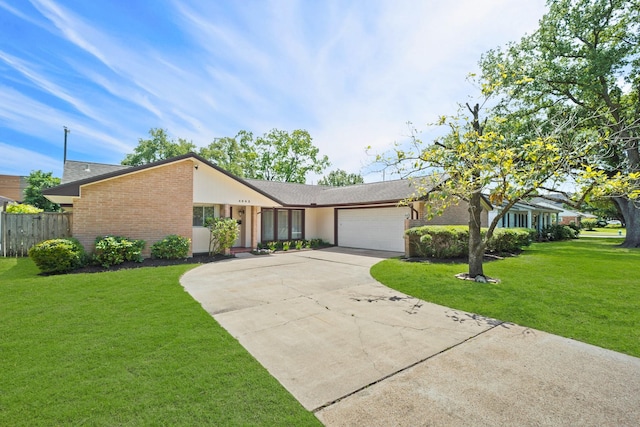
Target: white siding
[[200, 242], [213, 187], [373, 228], [319, 224]]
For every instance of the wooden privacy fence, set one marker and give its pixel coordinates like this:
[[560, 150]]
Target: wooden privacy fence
[[19, 232]]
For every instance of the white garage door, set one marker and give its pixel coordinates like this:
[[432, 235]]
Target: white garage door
[[372, 228]]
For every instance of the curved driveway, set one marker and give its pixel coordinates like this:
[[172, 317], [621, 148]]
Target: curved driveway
[[358, 353]]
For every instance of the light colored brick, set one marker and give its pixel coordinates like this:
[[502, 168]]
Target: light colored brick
[[147, 205]]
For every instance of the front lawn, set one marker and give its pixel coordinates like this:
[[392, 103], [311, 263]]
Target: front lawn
[[129, 347], [583, 289], [604, 232]]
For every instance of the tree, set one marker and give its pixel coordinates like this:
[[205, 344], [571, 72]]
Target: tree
[[223, 233], [36, 182], [584, 59], [236, 155], [604, 208], [158, 147], [492, 157], [288, 157], [275, 156], [340, 178]]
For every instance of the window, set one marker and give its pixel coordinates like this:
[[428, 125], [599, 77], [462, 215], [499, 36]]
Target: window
[[201, 213], [282, 224], [268, 223], [296, 225]]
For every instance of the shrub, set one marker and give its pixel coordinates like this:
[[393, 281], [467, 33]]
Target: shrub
[[556, 232], [223, 233], [453, 241], [298, 244], [440, 241], [574, 227], [589, 224], [261, 251], [171, 247], [114, 250], [15, 208], [510, 240], [58, 255], [317, 243]]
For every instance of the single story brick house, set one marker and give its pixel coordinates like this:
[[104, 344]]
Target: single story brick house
[[526, 214], [175, 195]]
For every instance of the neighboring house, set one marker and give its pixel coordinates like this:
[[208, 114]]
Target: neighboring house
[[565, 216], [12, 187], [174, 196], [4, 201], [526, 214]]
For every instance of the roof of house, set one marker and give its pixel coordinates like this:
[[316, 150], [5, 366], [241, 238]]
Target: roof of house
[[77, 171], [563, 211], [77, 174], [529, 206], [319, 195], [4, 200], [94, 172]]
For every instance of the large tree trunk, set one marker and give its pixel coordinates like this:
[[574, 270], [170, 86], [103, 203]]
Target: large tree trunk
[[476, 245], [631, 215]]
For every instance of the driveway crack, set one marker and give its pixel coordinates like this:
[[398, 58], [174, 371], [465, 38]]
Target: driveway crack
[[392, 374]]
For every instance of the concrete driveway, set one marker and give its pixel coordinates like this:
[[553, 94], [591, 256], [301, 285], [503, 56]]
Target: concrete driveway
[[358, 353]]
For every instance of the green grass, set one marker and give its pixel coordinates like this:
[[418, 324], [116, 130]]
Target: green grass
[[582, 289], [126, 348], [604, 232]]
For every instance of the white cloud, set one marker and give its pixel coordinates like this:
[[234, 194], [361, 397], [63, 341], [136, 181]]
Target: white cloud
[[351, 73], [17, 161], [45, 122]]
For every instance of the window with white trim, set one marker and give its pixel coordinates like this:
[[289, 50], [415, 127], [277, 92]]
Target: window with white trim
[[201, 213]]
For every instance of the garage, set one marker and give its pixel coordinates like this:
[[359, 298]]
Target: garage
[[372, 228]]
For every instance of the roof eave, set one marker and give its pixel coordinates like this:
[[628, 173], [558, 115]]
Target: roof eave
[[72, 189]]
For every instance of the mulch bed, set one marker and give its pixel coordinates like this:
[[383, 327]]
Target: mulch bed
[[149, 262]]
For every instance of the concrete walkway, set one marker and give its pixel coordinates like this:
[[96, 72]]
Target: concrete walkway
[[358, 353]]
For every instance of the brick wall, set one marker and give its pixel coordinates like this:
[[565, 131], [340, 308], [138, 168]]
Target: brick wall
[[456, 215], [12, 186], [147, 205]]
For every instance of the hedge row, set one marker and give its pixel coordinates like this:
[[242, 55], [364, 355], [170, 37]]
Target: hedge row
[[64, 255], [453, 241]]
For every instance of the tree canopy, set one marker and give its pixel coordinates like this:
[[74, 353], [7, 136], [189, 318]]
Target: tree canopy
[[275, 156], [233, 154], [288, 157], [340, 178], [584, 60], [36, 182], [158, 147], [506, 161]]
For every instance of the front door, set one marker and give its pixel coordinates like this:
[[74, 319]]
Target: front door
[[239, 214]]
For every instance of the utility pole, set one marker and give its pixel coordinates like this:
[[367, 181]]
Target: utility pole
[[66, 131]]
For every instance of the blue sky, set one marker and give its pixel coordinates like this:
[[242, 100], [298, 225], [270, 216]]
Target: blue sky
[[352, 73]]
